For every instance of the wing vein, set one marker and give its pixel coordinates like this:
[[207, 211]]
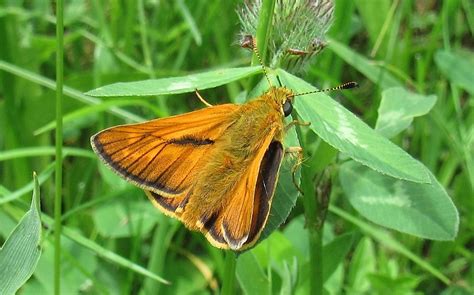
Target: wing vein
[[136, 148], [142, 156]]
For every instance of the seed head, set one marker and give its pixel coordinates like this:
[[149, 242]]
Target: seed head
[[298, 30]]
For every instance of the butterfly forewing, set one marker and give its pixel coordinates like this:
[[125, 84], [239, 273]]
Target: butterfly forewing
[[163, 155]]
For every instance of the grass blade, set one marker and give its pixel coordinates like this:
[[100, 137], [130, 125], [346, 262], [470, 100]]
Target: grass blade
[[21, 251]]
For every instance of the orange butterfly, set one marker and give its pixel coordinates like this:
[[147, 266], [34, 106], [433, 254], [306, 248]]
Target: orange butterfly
[[214, 169]]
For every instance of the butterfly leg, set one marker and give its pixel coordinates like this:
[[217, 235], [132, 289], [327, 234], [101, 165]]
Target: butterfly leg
[[296, 122], [298, 151], [202, 99]]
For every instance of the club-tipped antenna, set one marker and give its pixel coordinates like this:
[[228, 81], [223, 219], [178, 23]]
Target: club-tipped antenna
[[347, 85], [264, 69], [279, 81]]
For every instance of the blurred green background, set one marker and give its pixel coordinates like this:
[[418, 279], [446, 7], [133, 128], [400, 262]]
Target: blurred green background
[[426, 45]]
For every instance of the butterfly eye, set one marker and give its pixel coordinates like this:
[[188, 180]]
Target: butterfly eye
[[287, 108]]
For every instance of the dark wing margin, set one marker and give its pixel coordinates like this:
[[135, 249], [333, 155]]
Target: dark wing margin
[[150, 162], [265, 189], [169, 206]]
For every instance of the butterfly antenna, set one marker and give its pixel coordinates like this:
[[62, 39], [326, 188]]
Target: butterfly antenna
[[264, 69], [347, 85], [279, 81]]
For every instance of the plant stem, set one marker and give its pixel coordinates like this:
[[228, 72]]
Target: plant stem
[[314, 232], [147, 55], [144, 39], [59, 145], [314, 226], [16, 172], [228, 282], [264, 29]]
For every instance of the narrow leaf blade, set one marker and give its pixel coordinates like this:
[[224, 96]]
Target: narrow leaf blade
[[335, 252], [174, 85], [21, 251], [251, 277]]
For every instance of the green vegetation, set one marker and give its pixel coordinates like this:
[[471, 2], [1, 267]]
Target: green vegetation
[[390, 221]]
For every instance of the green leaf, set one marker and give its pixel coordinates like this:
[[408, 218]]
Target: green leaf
[[335, 252], [335, 284], [457, 68], [363, 262], [398, 108], [175, 85], [347, 133], [297, 233], [251, 277], [423, 210], [367, 67], [21, 251], [282, 250], [88, 111], [401, 285], [289, 276]]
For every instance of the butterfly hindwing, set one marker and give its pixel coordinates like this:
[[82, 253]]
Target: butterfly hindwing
[[240, 223], [171, 206]]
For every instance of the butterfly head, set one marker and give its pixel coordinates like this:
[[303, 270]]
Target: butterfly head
[[283, 98]]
